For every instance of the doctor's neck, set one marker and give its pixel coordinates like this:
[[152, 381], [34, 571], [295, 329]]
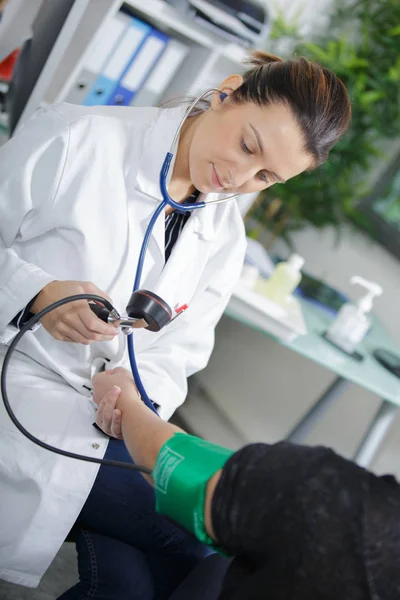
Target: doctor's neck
[[181, 185]]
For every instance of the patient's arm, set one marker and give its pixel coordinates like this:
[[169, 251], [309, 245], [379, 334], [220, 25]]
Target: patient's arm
[[143, 431]]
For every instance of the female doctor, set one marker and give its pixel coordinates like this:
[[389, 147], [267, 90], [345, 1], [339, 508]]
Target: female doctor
[[77, 188]]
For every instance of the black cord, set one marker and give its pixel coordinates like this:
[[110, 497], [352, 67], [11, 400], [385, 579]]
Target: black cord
[[27, 327]]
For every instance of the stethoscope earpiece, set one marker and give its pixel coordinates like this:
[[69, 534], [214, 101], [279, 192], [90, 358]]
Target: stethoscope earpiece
[[222, 96]]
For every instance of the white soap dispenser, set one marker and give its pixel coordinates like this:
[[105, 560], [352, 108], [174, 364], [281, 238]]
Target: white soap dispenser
[[352, 323]]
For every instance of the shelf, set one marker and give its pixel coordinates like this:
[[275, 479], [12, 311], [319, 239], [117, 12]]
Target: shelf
[[165, 16], [209, 61]]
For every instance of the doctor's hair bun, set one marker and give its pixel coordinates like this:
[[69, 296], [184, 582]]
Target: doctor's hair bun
[[259, 59], [316, 96]]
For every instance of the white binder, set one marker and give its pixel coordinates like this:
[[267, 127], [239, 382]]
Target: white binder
[[172, 57], [107, 39]]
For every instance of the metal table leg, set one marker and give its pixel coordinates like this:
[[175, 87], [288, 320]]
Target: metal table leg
[[317, 412], [376, 433]]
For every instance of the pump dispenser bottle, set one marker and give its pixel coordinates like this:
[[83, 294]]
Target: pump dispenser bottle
[[352, 323]]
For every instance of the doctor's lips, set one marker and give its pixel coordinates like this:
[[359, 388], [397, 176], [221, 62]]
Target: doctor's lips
[[215, 178]]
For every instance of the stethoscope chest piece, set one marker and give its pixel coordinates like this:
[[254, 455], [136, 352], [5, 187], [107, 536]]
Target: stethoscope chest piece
[[146, 305]]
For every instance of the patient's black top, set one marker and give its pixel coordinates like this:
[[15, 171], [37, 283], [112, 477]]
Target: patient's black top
[[306, 524]]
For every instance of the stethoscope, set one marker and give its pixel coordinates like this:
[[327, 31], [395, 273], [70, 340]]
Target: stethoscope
[[143, 304]]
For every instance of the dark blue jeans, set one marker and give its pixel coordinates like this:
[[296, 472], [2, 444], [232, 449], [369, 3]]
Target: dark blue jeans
[[126, 551]]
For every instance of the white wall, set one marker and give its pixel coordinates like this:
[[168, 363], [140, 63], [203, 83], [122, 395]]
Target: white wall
[[312, 16]]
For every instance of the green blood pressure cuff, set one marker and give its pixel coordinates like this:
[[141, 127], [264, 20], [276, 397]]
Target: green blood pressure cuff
[[184, 465]]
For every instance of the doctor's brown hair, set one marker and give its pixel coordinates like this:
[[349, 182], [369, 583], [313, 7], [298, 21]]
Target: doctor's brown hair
[[318, 99]]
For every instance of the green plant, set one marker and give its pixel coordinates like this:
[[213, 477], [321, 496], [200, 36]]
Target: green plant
[[363, 49]]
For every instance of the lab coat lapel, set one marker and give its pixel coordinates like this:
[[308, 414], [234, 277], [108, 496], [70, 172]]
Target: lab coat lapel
[[180, 276], [156, 247]]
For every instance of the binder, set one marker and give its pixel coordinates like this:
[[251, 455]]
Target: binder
[[105, 42], [139, 68], [162, 74], [127, 48]]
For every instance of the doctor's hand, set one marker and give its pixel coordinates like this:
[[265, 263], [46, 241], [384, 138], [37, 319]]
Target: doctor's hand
[[107, 389], [75, 321]]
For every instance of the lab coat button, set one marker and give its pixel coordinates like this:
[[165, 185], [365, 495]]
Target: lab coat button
[[96, 446]]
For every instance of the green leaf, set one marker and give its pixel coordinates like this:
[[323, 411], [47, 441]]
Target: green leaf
[[368, 98], [356, 62], [317, 52]]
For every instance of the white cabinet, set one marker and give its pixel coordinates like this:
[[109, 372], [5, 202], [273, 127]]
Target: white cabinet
[[209, 60]]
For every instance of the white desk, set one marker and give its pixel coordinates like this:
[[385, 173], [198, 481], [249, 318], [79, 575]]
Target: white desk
[[368, 374]]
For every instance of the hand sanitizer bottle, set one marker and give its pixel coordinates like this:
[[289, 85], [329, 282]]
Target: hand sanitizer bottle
[[284, 280], [352, 323]]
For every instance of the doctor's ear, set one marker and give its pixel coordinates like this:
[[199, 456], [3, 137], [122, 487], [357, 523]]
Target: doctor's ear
[[226, 88]]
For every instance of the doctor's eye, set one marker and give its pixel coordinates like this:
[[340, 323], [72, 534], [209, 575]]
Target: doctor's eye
[[263, 176], [245, 148]]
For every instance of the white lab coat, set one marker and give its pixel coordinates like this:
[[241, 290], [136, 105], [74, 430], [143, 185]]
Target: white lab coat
[[77, 188]]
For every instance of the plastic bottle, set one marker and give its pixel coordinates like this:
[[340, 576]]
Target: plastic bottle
[[352, 323], [283, 281]]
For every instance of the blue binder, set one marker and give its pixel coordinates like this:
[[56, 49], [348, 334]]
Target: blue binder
[[139, 68], [118, 60]]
